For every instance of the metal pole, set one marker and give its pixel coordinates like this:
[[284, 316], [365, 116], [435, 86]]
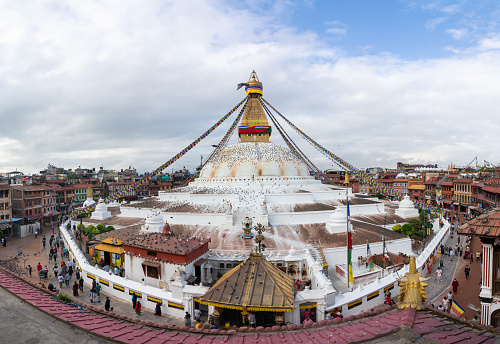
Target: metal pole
[[383, 255], [347, 215]]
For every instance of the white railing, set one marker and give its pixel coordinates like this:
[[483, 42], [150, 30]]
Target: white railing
[[371, 295]]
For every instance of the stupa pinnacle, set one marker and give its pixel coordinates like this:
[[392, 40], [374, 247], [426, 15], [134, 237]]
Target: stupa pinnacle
[[254, 126]]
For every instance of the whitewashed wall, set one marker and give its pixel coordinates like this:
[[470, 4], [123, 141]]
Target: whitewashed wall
[[130, 285]]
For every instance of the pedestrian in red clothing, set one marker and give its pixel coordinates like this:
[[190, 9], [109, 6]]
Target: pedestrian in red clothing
[[39, 267], [454, 284]]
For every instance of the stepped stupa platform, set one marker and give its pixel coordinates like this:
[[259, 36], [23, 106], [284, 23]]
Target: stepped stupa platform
[[259, 181]]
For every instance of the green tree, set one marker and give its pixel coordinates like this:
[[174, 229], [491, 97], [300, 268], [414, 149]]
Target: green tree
[[397, 228], [417, 225], [408, 229], [101, 227]]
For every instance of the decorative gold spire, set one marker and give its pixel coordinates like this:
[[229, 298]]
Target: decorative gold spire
[[254, 126], [89, 192]]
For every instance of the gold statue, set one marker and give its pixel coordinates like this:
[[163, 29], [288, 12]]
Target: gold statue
[[412, 293]]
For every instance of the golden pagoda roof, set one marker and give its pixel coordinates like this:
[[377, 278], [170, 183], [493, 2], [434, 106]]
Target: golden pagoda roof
[[254, 285]]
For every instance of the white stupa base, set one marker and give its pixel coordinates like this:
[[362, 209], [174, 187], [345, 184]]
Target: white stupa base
[[101, 215], [407, 213]]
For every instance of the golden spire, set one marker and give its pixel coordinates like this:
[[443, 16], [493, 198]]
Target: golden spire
[[254, 126], [89, 192]]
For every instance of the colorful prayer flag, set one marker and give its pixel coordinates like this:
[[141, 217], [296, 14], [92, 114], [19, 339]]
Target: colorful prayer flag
[[349, 243], [369, 257], [456, 309]]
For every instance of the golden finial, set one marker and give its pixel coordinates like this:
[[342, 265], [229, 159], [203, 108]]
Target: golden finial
[[412, 293]]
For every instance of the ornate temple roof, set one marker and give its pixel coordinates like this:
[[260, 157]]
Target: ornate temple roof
[[255, 285], [485, 225]]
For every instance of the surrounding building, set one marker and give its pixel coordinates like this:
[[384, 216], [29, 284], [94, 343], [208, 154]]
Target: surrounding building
[[6, 208], [487, 227]]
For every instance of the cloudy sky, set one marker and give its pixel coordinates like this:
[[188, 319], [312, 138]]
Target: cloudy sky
[[119, 83]]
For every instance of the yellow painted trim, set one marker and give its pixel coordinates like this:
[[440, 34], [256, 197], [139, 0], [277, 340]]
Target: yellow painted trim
[[389, 287], [175, 305], [372, 296], [91, 276], [106, 283], [131, 292], [152, 299], [354, 304], [117, 287], [252, 309]]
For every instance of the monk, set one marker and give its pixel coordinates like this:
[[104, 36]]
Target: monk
[[138, 308], [454, 284], [75, 289]]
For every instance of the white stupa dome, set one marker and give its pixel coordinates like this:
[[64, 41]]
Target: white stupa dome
[[101, 206], [337, 222], [247, 159], [406, 208], [154, 222], [88, 202]]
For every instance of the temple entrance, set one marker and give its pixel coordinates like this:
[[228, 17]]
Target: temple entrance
[[495, 318], [265, 319], [231, 316]]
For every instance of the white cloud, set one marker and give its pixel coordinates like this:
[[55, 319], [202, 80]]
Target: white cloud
[[457, 33], [336, 31], [432, 23], [132, 83]]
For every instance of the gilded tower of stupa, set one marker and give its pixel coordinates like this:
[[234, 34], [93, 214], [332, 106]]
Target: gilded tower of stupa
[[254, 126]]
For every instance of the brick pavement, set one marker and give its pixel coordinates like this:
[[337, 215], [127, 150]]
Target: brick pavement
[[33, 252]]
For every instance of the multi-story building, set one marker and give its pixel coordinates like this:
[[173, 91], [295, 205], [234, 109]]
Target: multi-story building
[[416, 190], [80, 193], [491, 195], [430, 190], [5, 209], [115, 187], [462, 194], [49, 211], [401, 185], [447, 194], [27, 202]]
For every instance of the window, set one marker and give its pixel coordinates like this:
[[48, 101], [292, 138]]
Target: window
[[152, 253], [151, 271], [221, 265]]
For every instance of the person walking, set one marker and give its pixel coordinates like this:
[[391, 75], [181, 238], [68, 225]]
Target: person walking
[[43, 242], [60, 279], [107, 304], [75, 289], [467, 271], [197, 314], [471, 258], [446, 304], [187, 320], [439, 273], [138, 308], [134, 301], [56, 270], [30, 269], [158, 309], [67, 278], [454, 284], [98, 292], [80, 284]]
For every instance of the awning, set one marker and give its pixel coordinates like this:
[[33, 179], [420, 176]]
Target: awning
[[14, 219], [5, 225], [110, 248], [200, 262], [473, 207], [308, 305], [32, 217], [456, 203], [150, 263], [447, 201]]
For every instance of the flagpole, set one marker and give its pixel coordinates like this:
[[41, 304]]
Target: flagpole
[[346, 182]]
